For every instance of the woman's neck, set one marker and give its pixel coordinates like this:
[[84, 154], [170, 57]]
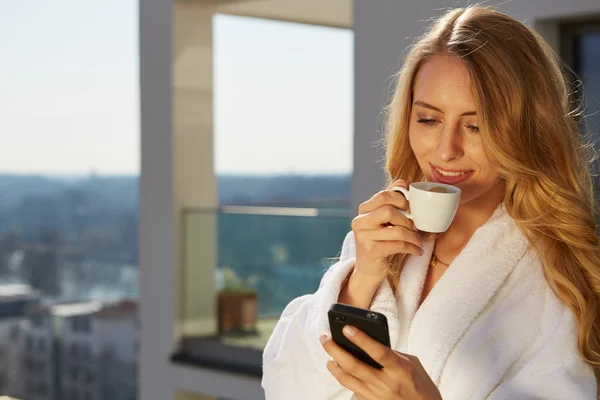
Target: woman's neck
[[469, 217]]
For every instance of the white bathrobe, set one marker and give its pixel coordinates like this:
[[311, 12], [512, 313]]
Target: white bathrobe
[[491, 328]]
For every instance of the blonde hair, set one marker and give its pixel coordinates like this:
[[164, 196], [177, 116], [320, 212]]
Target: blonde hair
[[526, 124]]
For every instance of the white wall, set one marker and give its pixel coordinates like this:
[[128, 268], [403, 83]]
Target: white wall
[[383, 29]]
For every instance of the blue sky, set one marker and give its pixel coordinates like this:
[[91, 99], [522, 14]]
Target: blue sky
[[69, 101]]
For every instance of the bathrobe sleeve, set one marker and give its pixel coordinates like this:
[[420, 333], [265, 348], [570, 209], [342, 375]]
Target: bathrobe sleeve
[[555, 371], [294, 362]]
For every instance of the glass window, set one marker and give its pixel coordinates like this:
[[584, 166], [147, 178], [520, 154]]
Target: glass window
[[43, 389], [41, 367], [85, 352], [580, 43], [74, 352], [15, 333], [89, 376], [275, 176], [37, 321], [589, 70], [86, 324], [69, 108], [73, 374], [29, 364]]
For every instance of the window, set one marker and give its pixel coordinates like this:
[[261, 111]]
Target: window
[[15, 333], [42, 346], [73, 374], [37, 321], [580, 47], [86, 354], [40, 367], [43, 389], [587, 64], [74, 352], [68, 224], [293, 103], [88, 376], [29, 365], [86, 324]]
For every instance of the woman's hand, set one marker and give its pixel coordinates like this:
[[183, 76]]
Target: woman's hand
[[381, 230], [401, 378]]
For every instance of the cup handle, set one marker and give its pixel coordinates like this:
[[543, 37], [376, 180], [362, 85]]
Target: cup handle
[[406, 194]]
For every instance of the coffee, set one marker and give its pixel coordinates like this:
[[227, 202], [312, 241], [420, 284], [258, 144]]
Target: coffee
[[438, 189]]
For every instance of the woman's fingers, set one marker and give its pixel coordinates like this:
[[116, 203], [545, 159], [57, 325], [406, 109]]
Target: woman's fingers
[[384, 215], [348, 381], [382, 198], [349, 364], [385, 249], [389, 240]]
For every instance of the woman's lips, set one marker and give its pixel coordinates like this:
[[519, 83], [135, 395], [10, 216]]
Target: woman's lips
[[453, 177]]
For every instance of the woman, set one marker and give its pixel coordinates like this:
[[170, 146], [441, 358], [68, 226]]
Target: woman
[[505, 303]]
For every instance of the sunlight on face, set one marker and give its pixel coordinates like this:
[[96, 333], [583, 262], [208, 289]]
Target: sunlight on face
[[444, 131]]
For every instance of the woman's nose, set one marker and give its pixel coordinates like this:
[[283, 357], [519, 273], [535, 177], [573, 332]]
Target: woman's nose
[[450, 144]]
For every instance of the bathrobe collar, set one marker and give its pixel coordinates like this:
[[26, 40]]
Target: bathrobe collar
[[432, 330]]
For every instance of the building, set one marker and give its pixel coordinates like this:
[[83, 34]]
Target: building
[[40, 372], [177, 150], [83, 351], [15, 302], [98, 347]]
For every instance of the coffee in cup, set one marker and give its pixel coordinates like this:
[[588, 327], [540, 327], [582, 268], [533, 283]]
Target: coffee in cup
[[438, 189], [432, 205]]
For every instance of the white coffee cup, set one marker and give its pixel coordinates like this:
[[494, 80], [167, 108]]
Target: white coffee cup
[[430, 211]]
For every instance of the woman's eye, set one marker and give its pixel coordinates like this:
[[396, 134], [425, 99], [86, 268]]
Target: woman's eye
[[425, 121], [472, 128]]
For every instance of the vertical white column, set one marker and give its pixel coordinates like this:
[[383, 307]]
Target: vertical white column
[[193, 160], [155, 201], [177, 173]]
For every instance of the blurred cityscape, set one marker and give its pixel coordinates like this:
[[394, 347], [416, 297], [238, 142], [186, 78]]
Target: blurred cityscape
[[69, 273]]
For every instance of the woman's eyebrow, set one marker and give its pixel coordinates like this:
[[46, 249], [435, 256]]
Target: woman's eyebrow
[[429, 106]]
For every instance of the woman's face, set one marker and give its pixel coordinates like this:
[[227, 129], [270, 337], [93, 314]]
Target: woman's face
[[444, 132]]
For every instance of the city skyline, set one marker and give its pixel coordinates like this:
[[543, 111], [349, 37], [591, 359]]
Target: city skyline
[[70, 104]]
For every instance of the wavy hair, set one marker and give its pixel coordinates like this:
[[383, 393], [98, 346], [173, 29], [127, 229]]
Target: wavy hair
[[527, 124]]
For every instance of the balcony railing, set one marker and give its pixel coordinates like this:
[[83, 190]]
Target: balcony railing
[[241, 267]]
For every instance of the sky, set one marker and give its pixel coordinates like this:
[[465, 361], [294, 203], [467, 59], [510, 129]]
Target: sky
[[69, 91]]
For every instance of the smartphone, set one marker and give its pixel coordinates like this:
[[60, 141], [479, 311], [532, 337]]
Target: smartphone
[[372, 323]]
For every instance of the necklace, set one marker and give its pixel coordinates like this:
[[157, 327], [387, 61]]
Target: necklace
[[434, 261]]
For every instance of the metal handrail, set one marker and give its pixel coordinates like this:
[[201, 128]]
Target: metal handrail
[[274, 211]]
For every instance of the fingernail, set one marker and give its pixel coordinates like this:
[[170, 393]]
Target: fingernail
[[323, 338], [349, 331]]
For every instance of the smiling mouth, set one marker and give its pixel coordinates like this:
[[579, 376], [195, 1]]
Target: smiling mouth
[[449, 177], [446, 173]]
